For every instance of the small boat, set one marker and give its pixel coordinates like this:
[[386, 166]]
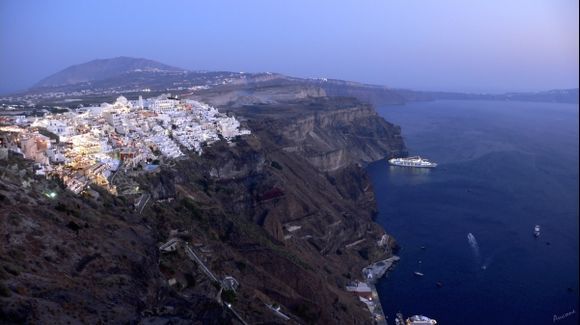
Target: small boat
[[537, 231], [417, 273]]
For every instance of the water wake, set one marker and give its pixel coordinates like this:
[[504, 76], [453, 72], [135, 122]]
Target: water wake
[[474, 247]]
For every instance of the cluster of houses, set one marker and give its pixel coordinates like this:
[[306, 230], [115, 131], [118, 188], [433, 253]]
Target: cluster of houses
[[88, 144]]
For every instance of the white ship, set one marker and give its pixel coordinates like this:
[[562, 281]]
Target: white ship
[[416, 161], [537, 231], [420, 320]]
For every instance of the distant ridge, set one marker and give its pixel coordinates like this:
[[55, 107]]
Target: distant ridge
[[569, 95], [101, 69], [126, 74]]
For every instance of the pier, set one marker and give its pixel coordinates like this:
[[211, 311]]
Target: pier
[[377, 312], [367, 291]]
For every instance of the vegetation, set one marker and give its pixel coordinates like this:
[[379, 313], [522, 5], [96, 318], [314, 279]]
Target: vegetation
[[241, 266], [364, 253], [307, 313], [191, 206], [4, 291], [276, 165], [48, 134], [229, 296]]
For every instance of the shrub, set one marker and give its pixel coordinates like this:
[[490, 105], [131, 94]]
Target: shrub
[[229, 296], [276, 165], [4, 291]]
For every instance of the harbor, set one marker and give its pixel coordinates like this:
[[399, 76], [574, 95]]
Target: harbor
[[367, 292]]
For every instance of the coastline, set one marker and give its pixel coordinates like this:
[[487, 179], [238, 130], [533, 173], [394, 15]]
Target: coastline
[[367, 291], [459, 193]]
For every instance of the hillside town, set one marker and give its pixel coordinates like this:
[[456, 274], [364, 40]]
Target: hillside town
[[89, 144]]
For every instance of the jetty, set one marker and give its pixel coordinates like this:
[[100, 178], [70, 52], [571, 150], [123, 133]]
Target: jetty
[[367, 291]]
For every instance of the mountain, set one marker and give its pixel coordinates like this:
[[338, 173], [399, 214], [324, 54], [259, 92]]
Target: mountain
[[102, 69], [103, 80]]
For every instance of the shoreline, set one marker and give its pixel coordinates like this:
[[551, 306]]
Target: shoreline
[[367, 291]]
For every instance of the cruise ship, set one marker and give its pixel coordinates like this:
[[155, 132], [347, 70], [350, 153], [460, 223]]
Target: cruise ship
[[416, 161]]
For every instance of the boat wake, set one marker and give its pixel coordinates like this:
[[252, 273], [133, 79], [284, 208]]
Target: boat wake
[[476, 253], [474, 247]]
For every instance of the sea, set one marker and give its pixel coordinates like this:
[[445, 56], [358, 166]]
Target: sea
[[504, 167]]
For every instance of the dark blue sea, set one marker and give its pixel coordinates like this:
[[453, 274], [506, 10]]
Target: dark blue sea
[[503, 168]]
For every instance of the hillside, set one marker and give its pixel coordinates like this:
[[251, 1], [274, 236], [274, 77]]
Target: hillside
[[101, 69], [287, 211], [103, 80]]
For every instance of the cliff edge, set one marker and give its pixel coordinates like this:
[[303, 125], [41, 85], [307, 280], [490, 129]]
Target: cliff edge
[[287, 211]]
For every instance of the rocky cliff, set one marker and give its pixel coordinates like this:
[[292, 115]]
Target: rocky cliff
[[331, 140], [287, 211]]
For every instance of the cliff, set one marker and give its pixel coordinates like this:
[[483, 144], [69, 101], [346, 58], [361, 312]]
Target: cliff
[[331, 140], [287, 211]]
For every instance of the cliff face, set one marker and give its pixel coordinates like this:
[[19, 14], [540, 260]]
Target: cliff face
[[302, 228], [266, 91], [335, 139], [374, 94], [283, 88], [287, 211], [316, 210]]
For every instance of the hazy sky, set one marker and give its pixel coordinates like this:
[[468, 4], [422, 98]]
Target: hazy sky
[[461, 45]]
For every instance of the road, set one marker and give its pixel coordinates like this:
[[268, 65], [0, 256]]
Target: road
[[193, 256], [278, 312], [143, 200], [229, 306]]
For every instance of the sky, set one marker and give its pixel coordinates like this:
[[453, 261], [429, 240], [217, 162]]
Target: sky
[[447, 45]]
